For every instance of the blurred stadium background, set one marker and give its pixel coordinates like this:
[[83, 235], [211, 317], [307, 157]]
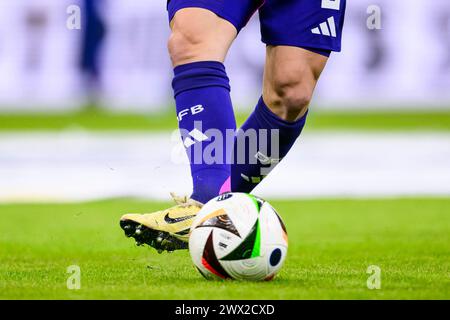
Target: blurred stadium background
[[113, 74], [119, 56], [86, 115]]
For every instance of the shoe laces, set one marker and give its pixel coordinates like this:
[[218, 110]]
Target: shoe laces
[[185, 201]]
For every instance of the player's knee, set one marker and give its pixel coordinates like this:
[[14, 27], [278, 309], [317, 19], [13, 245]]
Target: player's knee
[[185, 45], [296, 99], [199, 35], [291, 98]]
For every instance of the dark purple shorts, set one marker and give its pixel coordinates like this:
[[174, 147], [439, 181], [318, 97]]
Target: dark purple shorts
[[312, 24]]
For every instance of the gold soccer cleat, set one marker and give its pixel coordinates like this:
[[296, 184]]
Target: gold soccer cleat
[[163, 230]]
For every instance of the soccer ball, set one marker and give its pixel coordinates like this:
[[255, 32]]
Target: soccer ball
[[238, 236]]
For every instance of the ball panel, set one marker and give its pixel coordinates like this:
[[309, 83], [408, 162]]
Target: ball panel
[[275, 257], [206, 244], [197, 242], [248, 248], [221, 221], [238, 206], [253, 269], [274, 230], [210, 261]]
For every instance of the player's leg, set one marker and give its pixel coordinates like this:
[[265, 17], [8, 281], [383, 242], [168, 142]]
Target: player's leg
[[290, 77], [296, 56], [202, 33], [198, 44]]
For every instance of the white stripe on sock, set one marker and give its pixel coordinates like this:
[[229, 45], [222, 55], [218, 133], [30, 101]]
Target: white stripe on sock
[[198, 135]]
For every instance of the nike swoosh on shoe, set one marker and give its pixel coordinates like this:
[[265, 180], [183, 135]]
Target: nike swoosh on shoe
[[170, 220]]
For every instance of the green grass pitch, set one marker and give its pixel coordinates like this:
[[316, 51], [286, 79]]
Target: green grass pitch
[[95, 119], [332, 243]]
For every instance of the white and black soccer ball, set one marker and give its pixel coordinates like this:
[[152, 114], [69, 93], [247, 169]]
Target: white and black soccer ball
[[238, 236]]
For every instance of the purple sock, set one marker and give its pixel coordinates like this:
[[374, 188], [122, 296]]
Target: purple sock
[[205, 113], [262, 141]]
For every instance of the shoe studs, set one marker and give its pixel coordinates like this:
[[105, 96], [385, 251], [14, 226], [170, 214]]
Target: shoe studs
[[158, 240]]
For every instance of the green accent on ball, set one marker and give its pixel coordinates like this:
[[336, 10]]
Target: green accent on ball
[[248, 248], [257, 246]]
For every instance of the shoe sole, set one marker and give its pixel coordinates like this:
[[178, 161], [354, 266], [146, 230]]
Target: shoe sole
[[160, 240]]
